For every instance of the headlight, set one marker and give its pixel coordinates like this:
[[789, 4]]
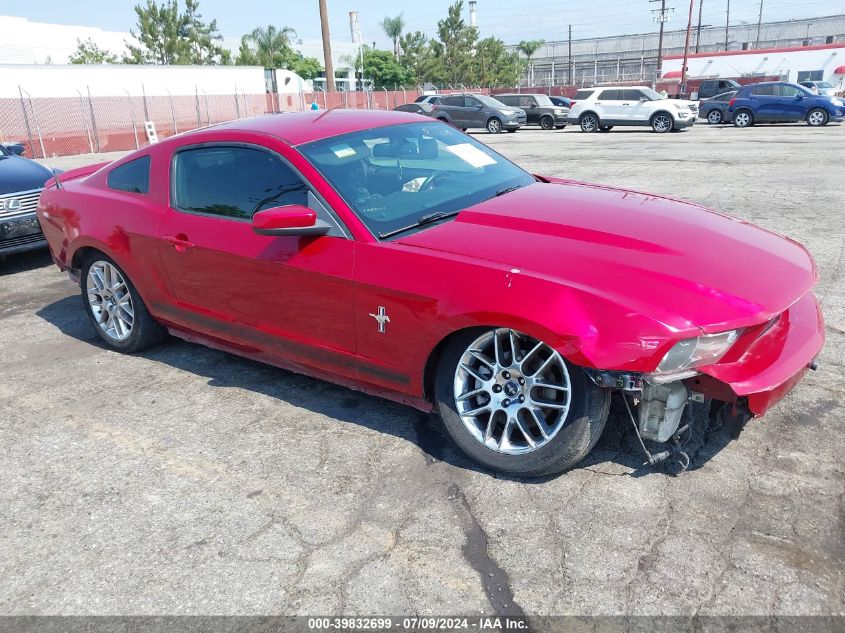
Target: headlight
[[701, 350], [681, 106], [837, 102]]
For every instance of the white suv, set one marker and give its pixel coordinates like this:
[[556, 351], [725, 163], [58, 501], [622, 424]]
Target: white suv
[[599, 109]]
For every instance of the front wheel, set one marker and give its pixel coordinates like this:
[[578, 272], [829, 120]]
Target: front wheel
[[662, 123], [494, 125], [515, 405], [714, 117], [547, 123], [115, 307], [817, 117]]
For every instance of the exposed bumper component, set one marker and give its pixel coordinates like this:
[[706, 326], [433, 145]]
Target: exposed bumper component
[[661, 409]]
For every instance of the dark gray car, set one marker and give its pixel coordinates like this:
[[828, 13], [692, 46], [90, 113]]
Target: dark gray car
[[539, 109], [466, 111]]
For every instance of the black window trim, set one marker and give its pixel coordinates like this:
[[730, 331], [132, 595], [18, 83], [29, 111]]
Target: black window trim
[[148, 158], [171, 202]]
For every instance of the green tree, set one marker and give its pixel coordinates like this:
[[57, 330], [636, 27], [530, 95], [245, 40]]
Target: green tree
[[88, 52], [270, 46], [305, 67], [528, 48], [419, 59], [382, 69], [495, 66], [168, 36], [393, 28], [457, 41]]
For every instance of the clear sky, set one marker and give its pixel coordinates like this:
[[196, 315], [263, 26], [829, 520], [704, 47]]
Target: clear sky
[[511, 20]]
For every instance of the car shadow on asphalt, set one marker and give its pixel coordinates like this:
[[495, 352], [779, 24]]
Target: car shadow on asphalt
[[616, 453], [21, 262]]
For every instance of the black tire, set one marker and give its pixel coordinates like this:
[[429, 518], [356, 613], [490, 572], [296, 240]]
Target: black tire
[[584, 423], [547, 122], [817, 117], [494, 125], [560, 127], [146, 332], [589, 122], [463, 129], [714, 117], [743, 118], [662, 122], [605, 128], [512, 130]]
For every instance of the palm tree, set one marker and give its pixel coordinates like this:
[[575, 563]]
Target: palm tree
[[528, 48], [393, 28], [272, 45]]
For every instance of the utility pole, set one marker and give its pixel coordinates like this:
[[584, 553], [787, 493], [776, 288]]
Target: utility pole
[[569, 72], [759, 23], [727, 23], [698, 30], [327, 46], [686, 50], [662, 16]]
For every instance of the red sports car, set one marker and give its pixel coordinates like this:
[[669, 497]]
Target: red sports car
[[396, 255]]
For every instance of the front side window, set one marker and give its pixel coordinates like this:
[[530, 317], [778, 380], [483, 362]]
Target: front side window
[[784, 90], [133, 177], [631, 95], [234, 182], [392, 176]]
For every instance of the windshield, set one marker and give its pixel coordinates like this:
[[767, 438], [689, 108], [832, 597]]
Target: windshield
[[490, 102], [392, 176], [652, 95]]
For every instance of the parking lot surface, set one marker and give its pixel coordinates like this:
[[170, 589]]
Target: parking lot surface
[[186, 480]]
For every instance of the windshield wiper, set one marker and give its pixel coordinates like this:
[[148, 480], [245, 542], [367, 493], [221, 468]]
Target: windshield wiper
[[422, 221], [502, 192]]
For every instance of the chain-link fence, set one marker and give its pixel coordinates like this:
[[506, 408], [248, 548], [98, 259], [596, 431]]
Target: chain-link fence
[[61, 126]]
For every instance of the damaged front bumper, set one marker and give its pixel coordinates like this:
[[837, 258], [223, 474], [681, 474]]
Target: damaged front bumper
[[759, 370]]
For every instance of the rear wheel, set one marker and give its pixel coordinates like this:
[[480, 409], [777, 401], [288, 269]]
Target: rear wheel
[[547, 123], [817, 117], [115, 308], [494, 125], [515, 405], [714, 117], [605, 128], [589, 122], [743, 118], [662, 123]]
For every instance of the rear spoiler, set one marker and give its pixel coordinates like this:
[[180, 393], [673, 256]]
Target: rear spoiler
[[59, 179]]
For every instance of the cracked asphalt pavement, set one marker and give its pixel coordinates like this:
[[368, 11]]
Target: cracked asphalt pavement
[[188, 481]]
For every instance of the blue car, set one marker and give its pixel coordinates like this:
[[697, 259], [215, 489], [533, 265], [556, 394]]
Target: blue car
[[780, 101], [21, 181]]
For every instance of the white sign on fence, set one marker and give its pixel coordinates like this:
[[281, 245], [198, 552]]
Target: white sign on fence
[[150, 129]]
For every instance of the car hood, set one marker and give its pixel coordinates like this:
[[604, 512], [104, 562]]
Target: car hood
[[21, 174], [676, 262]]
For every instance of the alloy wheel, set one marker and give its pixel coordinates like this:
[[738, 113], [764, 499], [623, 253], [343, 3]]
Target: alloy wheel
[[512, 392], [662, 123], [110, 300], [816, 118], [742, 119], [589, 123], [494, 126], [714, 117]]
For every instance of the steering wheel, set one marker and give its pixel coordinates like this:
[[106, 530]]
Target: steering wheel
[[428, 183]]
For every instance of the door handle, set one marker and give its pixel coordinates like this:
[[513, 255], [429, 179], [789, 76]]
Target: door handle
[[626, 104], [180, 242]]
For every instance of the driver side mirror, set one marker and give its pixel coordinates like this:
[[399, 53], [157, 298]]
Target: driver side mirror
[[799, 96], [294, 219]]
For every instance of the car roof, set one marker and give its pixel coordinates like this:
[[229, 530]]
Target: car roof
[[304, 127]]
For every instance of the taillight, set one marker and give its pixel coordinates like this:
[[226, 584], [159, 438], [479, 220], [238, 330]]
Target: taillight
[[732, 102], [571, 103]]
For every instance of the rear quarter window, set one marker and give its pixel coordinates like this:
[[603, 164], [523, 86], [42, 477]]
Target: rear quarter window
[[582, 94], [132, 177]]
